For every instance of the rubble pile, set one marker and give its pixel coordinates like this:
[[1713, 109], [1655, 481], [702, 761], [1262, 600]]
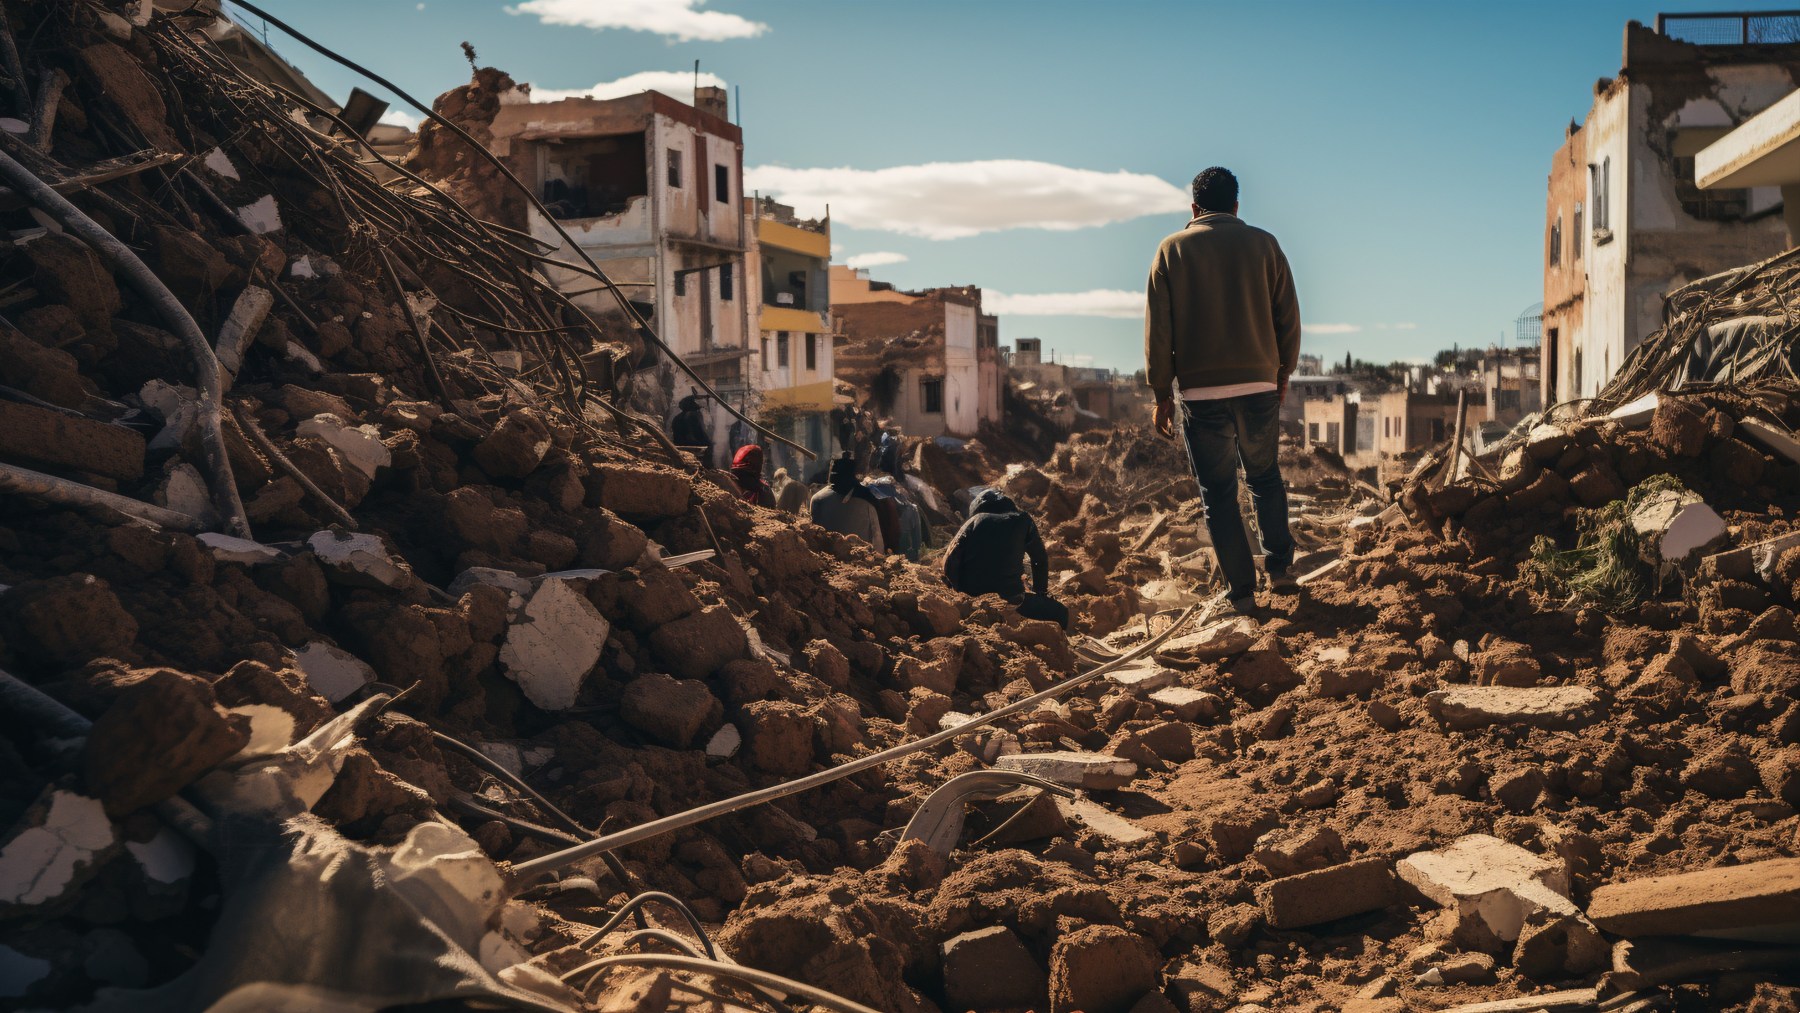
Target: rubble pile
[[316, 637]]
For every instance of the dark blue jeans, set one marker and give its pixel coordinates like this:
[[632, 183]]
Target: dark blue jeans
[[1221, 433]]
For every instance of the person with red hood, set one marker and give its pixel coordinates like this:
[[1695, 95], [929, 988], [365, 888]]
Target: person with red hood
[[747, 472]]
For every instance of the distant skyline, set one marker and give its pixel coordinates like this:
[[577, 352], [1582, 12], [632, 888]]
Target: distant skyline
[[1041, 148]]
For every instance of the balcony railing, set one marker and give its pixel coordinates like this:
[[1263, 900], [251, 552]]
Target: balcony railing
[[1732, 28]]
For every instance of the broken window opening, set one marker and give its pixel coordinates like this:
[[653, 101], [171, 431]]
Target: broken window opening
[[721, 184], [812, 351], [1556, 241], [781, 349], [726, 271], [1727, 205], [932, 393], [765, 354], [885, 390], [675, 168], [787, 280], [681, 283], [1577, 237], [592, 177]]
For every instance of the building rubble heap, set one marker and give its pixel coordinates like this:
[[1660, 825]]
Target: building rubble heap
[[320, 748]]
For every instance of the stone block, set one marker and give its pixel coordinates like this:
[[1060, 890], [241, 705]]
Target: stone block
[[1759, 900], [1489, 887], [1468, 707], [670, 711], [1101, 969], [698, 645], [1326, 895]]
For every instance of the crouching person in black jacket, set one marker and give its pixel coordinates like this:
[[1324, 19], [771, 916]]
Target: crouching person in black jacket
[[988, 554]]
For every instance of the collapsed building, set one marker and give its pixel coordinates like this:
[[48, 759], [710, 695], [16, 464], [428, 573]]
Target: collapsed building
[[362, 648], [928, 360]]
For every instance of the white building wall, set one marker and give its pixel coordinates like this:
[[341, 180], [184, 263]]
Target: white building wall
[[1600, 339], [962, 375]]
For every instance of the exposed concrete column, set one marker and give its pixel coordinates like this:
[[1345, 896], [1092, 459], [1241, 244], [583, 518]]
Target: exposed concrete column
[[1790, 210]]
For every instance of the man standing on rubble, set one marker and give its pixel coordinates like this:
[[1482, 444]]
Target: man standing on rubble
[[1222, 328]]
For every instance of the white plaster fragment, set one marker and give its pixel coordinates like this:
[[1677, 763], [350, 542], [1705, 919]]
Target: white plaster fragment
[[13, 125], [262, 216], [1141, 677], [301, 268], [554, 644], [220, 163], [333, 672], [1077, 770], [359, 446], [725, 742], [505, 754], [184, 491], [1636, 414], [299, 353], [1486, 880], [358, 559], [228, 549], [167, 857], [40, 864]]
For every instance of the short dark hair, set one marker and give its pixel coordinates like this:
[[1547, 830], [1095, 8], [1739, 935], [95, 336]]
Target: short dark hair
[[1215, 189]]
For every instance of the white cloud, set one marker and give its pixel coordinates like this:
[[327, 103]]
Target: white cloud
[[1097, 302], [953, 200], [401, 118], [1406, 326], [1330, 328], [680, 20], [673, 83], [878, 259]]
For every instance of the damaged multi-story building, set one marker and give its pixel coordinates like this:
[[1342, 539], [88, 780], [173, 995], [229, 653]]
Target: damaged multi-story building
[[929, 361], [1625, 221], [650, 187], [793, 359]]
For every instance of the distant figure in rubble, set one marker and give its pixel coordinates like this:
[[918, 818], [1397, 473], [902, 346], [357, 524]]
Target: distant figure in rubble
[[791, 494], [887, 453], [846, 507], [1222, 327], [689, 431], [746, 472], [988, 555]]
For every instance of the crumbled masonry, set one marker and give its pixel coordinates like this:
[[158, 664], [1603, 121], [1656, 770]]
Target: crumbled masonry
[[482, 613]]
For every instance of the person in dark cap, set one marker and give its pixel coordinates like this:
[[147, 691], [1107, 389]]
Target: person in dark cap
[[747, 472], [846, 507], [689, 431], [988, 554]]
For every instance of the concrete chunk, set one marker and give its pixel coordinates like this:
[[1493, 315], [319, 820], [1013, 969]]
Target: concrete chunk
[[333, 672], [1186, 704], [1491, 887], [1141, 677], [1766, 436], [227, 549], [554, 644], [1077, 770], [1216, 642], [1466, 707], [64, 838], [359, 446], [1101, 820], [1326, 895], [1758, 901], [358, 560], [1637, 414], [1677, 526], [724, 743]]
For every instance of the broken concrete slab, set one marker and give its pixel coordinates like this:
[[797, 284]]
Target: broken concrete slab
[[1326, 895], [1636, 414], [1768, 437], [1490, 887], [1678, 526], [359, 560], [1547, 442], [554, 644], [1101, 820], [46, 438], [247, 314], [261, 216], [724, 743], [1215, 642], [1141, 677], [1095, 771], [333, 672], [1759, 901], [1463, 708], [63, 840], [184, 491], [1186, 704], [227, 549], [358, 446]]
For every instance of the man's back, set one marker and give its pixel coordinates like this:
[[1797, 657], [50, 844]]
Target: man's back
[[848, 514], [1222, 308]]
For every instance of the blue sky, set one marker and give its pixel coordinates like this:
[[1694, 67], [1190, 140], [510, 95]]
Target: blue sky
[[1398, 150]]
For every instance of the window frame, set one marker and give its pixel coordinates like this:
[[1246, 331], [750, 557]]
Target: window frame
[[672, 172]]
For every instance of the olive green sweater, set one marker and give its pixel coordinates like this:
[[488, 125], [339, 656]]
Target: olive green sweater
[[1222, 308]]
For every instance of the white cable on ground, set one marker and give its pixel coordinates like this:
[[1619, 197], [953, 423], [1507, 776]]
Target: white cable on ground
[[719, 969], [525, 872], [206, 365]]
